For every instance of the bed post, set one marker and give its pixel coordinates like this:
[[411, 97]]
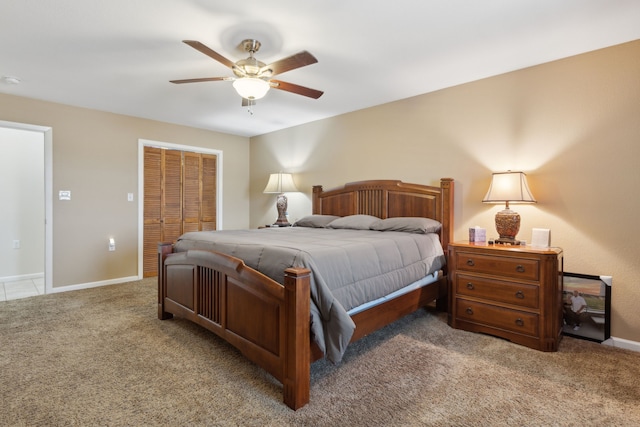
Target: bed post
[[297, 364], [315, 200], [164, 249], [446, 184]]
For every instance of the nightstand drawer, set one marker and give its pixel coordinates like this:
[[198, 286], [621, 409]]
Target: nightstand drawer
[[499, 317], [518, 268], [497, 290]]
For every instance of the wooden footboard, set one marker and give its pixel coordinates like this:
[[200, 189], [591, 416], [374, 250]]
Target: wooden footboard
[[266, 321]]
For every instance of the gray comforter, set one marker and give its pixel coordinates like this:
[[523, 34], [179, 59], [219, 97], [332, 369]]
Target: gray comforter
[[349, 267]]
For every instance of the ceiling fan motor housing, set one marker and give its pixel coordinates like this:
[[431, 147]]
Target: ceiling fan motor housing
[[249, 67], [251, 45]]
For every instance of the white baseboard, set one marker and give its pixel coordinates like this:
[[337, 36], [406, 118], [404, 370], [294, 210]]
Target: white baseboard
[[92, 284], [622, 343], [21, 277]]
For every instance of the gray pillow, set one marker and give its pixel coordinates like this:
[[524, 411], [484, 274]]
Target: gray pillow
[[315, 221], [355, 222], [416, 225]]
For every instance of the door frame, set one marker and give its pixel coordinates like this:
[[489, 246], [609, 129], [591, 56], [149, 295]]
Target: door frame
[[47, 132], [171, 146]]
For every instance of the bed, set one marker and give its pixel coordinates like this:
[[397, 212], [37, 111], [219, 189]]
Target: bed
[[275, 309]]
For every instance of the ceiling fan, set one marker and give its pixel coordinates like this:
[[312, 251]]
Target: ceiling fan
[[252, 78]]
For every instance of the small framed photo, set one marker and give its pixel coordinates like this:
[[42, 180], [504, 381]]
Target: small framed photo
[[587, 306]]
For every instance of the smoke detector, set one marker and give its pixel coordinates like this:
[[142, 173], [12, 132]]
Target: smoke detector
[[10, 80]]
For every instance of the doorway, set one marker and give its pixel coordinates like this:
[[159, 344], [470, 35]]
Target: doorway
[[26, 224]]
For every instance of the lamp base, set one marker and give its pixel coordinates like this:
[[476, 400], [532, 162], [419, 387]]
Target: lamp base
[[507, 226], [281, 205]]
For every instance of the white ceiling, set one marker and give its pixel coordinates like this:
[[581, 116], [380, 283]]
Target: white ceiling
[[119, 55]]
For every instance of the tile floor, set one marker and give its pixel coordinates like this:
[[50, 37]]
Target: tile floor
[[21, 289]]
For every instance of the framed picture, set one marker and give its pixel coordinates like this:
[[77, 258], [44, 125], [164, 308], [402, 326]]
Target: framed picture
[[587, 306]]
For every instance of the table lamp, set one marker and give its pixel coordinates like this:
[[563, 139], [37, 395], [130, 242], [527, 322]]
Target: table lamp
[[280, 183], [508, 187]]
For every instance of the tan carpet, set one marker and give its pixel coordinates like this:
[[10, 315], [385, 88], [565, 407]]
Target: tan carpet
[[101, 357]]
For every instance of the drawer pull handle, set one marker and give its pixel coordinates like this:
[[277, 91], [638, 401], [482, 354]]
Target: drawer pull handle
[[470, 286], [469, 311], [520, 269], [470, 262], [519, 322], [520, 294]]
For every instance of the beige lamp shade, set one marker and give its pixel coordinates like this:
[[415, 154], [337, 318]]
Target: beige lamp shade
[[508, 187], [280, 183]]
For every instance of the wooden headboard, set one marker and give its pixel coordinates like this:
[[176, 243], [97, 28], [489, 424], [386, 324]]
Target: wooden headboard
[[388, 199]]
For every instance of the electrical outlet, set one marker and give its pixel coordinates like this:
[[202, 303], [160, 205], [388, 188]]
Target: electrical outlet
[[16, 244], [112, 245], [130, 197]]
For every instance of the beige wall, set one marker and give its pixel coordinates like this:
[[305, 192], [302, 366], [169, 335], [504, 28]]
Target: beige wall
[[572, 125], [95, 156]]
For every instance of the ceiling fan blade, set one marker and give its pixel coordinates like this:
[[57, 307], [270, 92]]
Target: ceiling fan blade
[[300, 90], [209, 52], [203, 79], [292, 62]]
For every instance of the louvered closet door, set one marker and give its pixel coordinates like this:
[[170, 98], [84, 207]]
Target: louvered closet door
[[179, 196], [199, 192], [152, 209], [162, 203], [172, 195], [209, 182], [192, 178]]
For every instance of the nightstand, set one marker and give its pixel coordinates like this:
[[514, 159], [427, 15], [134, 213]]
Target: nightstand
[[513, 292]]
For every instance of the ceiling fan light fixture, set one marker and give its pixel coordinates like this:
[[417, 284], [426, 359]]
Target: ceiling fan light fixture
[[251, 87]]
